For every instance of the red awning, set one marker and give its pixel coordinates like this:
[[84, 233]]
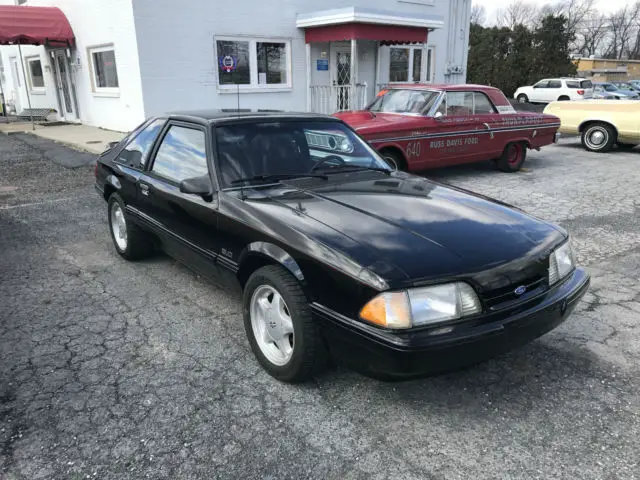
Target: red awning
[[34, 26], [385, 34], [361, 23]]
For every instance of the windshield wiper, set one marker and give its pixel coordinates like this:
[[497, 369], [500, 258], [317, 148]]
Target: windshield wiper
[[354, 168], [266, 178]]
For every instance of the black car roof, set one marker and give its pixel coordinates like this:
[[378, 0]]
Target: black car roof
[[226, 115]]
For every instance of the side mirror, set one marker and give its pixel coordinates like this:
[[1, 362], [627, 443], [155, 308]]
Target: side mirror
[[197, 186], [112, 144]]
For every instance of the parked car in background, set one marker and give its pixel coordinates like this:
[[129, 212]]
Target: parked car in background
[[635, 83], [618, 94], [335, 252], [627, 86], [416, 127], [552, 89], [601, 94], [601, 123]]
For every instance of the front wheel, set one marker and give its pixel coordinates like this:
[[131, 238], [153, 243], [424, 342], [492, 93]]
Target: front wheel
[[513, 157], [522, 98], [598, 137], [279, 326]]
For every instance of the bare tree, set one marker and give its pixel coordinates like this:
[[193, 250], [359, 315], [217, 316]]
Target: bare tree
[[592, 34], [519, 12], [478, 14], [623, 26]]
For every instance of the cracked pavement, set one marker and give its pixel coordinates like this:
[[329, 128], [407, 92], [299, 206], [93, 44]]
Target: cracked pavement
[[117, 370]]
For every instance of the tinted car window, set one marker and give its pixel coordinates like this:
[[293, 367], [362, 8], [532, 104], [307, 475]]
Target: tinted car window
[[482, 104], [586, 84], [248, 150], [137, 151], [555, 84], [571, 84], [181, 155], [542, 84]]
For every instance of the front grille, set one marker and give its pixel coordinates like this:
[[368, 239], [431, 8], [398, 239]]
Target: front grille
[[501, 291]]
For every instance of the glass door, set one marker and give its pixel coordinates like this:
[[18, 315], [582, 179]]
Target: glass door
[[63, 83], [341, 69]]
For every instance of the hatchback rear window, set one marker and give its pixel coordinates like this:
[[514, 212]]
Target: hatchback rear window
[[586, 84]]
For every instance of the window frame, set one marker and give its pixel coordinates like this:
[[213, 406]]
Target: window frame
[[253, 85], [34, 90], [207, 130], [427, 69], [102, 91]]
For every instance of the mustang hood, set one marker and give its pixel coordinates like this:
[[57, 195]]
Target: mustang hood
[[422, 229]]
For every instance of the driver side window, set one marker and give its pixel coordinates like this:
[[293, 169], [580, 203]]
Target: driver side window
[[542, 84]]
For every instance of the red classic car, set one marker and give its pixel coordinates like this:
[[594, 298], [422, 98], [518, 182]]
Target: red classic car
[[416, 127]]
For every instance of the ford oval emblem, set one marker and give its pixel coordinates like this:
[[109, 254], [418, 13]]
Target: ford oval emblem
[[520, 290]]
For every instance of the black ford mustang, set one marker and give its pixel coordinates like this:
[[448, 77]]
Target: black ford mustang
[[335, 252]]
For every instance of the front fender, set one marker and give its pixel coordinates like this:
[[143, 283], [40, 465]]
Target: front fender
[[275, 253]]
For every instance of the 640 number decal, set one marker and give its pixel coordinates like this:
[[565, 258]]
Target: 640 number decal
[[413, 149]]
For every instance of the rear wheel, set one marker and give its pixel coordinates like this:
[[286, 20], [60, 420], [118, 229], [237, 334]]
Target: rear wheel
[[131, 241], [522, 98], [598, 137], [513, 157], [279, 326]]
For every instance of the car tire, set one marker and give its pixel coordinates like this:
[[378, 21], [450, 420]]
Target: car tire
[[130, 240], [280, 328], [394, 159], [626, 146], [522, 98], [513, 157], [598, 137]]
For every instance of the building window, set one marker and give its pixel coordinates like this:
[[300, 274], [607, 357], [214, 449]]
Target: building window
[[408, 65], [103, 67], [253, 63], [36, 77]]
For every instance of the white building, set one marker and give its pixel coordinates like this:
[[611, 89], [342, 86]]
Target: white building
[[133, 58]]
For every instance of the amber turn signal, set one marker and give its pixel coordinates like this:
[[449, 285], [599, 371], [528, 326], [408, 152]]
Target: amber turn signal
[[390, 310]]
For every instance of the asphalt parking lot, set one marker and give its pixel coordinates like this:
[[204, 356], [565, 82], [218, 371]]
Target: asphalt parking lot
[[114, 370]]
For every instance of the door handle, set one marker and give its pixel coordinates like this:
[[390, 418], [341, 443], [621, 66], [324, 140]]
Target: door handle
[[488, 128], [144, 189]]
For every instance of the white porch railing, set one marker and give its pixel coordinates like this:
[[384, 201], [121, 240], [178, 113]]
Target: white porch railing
[[328, 99]]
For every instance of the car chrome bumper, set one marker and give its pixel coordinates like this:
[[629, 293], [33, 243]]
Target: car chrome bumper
[[556, 137], [410, 354]]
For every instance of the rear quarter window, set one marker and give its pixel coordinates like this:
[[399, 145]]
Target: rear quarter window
[[573, 84], [136, 152], [586, 84]]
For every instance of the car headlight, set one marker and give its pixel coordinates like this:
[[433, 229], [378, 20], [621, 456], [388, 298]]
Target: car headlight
[[561, 263], [422, 306]]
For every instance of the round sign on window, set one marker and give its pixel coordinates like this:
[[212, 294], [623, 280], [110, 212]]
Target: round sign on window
[[228, 63]]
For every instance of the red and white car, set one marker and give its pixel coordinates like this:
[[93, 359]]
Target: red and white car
[[416, 127]]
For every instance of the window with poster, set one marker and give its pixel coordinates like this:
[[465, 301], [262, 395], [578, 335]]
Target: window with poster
[[103, 68], [411, 64], [253, 63]]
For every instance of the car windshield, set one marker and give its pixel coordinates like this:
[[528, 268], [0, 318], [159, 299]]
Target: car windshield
[[404, 101], [609, 87], [257, 152]]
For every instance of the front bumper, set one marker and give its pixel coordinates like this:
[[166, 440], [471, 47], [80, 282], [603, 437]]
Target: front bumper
[[410, 354]]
